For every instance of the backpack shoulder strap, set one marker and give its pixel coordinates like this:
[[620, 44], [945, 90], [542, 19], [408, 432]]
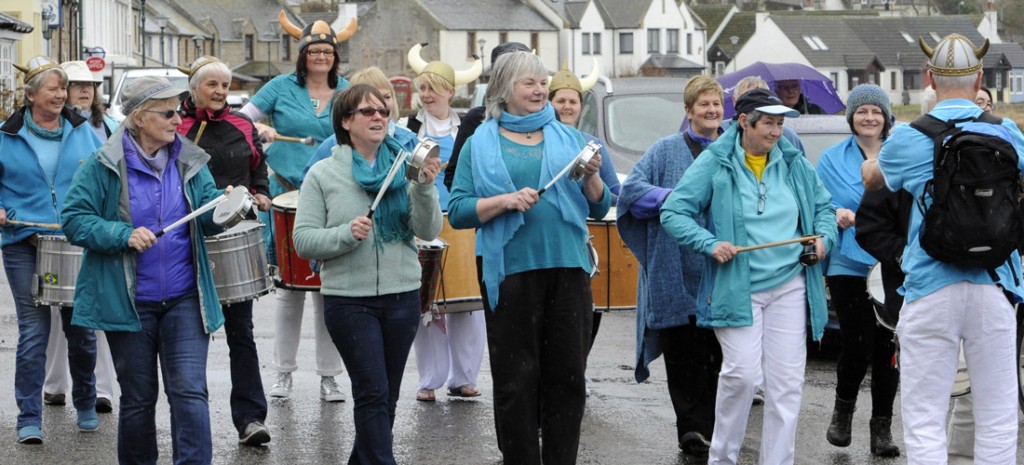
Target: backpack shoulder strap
[[413, 124], [989, 118], [932, 126]]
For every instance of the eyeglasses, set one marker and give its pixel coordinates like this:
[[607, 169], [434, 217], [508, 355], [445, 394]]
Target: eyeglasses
[[368, 112], [761, 191], [323, 53], [167, 114], [983, 104], [80, 84]]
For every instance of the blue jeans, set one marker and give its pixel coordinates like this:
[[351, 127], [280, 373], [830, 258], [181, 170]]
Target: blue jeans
[[174, 332], [33, 332], [248, 402], [374, 336]]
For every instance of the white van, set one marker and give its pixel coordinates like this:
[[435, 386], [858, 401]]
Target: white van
[[177, 78]]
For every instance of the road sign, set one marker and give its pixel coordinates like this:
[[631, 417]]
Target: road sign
[[95, 64]]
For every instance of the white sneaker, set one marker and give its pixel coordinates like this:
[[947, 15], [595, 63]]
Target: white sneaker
[[283, 386], [329, 390]]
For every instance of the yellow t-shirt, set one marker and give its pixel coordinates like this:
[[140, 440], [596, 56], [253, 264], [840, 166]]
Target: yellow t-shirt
[[756, 163]]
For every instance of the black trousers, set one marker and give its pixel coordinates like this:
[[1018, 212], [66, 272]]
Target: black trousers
[[538, 338], [864, 344], [693, 359]]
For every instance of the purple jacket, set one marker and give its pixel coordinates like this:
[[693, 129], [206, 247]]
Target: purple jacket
[[165, 271]]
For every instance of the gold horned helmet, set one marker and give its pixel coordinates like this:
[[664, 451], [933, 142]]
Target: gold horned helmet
[[420, 66], [566, 79], [199, 63], [955, 55], [317, 31], [35, 66]]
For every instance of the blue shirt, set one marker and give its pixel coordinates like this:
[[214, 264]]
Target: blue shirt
[[906, 163]]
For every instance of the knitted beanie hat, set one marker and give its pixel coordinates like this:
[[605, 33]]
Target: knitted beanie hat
[[869, 94]]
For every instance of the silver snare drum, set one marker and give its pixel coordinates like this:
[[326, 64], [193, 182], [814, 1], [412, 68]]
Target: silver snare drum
[[57, 264], [239, 263]]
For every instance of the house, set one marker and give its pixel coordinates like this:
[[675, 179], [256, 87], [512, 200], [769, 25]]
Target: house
[[653, 37], [12, 31], [455, 33]]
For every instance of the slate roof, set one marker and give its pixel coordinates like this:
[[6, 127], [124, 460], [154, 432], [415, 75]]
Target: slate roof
[[623, 14], [1012, 53], [223, 13], [671, 61], [10, 23], [740, 26], [572, 12], [486, 15]]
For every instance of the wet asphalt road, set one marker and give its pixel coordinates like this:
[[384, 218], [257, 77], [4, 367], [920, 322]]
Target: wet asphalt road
[[625, 422]]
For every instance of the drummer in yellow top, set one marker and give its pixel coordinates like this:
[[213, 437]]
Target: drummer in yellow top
[[449, 348]]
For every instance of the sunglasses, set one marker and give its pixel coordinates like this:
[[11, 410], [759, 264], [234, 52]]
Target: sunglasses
[[167, 114], [368, 112]]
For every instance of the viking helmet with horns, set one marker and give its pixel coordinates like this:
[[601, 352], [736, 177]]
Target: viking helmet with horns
[[954, 55], [199, 63], [566, 79], [317, 31], [420, 66], [35, 66]]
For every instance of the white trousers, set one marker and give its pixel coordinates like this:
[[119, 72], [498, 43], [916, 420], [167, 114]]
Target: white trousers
[[288, 333], [774, 348], [930, 330], [453, 357], [58, 374]]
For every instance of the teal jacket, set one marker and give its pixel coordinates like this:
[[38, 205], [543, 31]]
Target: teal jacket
[[96, 217], [710, 187]]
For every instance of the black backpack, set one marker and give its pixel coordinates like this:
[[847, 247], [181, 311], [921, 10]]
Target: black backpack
[[975, 219]]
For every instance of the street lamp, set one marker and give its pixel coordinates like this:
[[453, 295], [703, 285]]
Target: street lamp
[[481, 43], [161, 21], [143, 32], [197, 40], [48, 16]]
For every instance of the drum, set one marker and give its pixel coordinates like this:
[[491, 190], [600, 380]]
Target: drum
[[293, 272], [234, 208], [962, 382], [238, 261], [614, 286], [431, 255], [57, 264], [876, 291], [459, 289], [427, 148]]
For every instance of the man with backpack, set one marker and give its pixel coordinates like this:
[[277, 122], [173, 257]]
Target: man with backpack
[[962, 275]]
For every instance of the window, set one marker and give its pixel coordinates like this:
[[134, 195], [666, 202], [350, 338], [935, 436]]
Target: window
[[719, 68], [470, 45], [1017, 84], [892, 80], [286, 47], [6, 67], [653, 40], [689, 43], [596, 49], [534, 42], [907, 37], [502, 37], [835, 78], [248, 47], [672, 41], [626, 43], [585, 43]]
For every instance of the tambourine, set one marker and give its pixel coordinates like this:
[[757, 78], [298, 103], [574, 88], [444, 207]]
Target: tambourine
[[579, 165], [235, 208], [427, 148]]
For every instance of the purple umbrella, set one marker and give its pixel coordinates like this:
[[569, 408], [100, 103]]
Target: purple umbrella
[[816, 88]]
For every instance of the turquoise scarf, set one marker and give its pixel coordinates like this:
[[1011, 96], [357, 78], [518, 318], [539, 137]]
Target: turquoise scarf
[[391, 219], [491, 178], [48, 134]]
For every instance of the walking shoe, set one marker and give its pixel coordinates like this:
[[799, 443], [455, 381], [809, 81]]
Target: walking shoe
[[255, 434], [30, 435], [88, 421], [882, 444], [53, 399], [104, 405], [283, 386], [695, 444], [330, 391], [839, 432]]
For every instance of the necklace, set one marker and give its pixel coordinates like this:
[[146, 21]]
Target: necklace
[[529, 135]]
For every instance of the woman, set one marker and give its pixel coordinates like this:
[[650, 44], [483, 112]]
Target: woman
[[536, 268], [449, 348], [666, 318], [155, 298], [565, 91], [984, 99], [41, 147], [371, 272], [236, 159], [754, 188], [85, 101], [864, 343], [299, 104]]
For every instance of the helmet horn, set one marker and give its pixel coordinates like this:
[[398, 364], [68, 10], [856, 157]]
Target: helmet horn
[[588, 82], [416, 62], [982, 51], [924, 47], [349, 31], [469, 75], [287, 25]]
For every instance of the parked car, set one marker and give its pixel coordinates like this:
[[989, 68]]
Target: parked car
[[177, 78]]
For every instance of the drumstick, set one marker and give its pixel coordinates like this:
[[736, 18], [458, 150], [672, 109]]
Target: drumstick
[[302, 140], [558, 176], [199, 135], [190, 216], [38, 225], [776, 244], [387, 182]]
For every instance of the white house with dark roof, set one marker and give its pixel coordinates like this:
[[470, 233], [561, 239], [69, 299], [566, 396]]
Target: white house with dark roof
[[12, 30]]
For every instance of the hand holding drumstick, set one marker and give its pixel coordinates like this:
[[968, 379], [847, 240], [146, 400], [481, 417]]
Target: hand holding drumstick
[[725, 251]]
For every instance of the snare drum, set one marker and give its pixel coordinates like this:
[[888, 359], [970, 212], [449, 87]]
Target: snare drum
[[614, 286], [431, 254], [57, 264], [293, 272], [238, 261]]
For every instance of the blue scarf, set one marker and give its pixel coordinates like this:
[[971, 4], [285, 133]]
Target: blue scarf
[[39, 131], [391, 219], [491, 178], [839, 170]]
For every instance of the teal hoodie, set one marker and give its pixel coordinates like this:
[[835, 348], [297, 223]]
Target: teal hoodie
[[710, 187], [96, 216]]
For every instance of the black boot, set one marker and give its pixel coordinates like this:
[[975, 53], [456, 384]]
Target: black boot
[[881, 438], [842, 417]]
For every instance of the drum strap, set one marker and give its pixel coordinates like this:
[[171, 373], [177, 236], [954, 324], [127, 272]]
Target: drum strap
[[284, 182]]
